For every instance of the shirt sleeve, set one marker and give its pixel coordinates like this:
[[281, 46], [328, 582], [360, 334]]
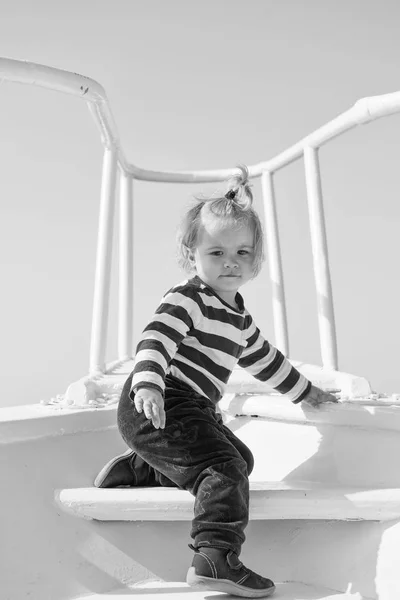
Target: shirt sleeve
[[267, 363], [161, 338]]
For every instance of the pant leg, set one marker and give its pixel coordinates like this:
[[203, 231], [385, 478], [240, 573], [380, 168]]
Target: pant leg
[[146, 475], [244, 450], [195, 453]]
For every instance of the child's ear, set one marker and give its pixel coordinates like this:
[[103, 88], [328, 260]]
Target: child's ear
[[191, 258]]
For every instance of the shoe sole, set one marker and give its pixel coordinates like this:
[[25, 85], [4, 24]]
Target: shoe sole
[[107, 468], [224, 585]]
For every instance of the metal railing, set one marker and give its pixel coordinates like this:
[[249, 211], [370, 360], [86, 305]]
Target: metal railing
[[116, 165]]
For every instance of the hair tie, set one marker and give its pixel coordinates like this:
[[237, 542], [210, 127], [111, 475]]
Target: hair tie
[[231, 195]]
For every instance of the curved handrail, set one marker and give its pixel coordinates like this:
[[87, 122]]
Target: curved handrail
[[363, 111], [22, 71]]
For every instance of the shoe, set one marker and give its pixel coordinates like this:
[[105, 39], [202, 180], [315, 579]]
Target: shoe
[[220, 570], [118, 471]]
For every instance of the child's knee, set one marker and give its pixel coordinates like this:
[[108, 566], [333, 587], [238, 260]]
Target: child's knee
[[249, 459], [229, 471]]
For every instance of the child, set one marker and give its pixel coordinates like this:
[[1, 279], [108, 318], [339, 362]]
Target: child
[[185, 356]]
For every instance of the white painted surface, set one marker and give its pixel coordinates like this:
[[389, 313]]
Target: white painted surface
[[350, 386], [89, 404], [326, 318], [336, 454], [89, 556], [125, 282], [96, 399], [388, 563], [274, 500], [102, 280], [358, 415], [35, 421], [173, 590], [275, 263], [77, 557]]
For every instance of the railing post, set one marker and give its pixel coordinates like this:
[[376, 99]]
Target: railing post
[[125, 312], [326, 318], [275, 264], [103, 262]]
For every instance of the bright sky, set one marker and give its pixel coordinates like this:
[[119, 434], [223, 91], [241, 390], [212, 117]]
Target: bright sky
[[195, 85]]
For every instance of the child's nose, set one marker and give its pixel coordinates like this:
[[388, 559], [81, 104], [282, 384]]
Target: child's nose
[[231, 263]]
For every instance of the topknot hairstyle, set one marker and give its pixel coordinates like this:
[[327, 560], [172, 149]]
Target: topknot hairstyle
[[234, 206], [239, 188]]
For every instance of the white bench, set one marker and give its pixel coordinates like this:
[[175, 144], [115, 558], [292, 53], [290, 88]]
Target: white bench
[[268, 500]]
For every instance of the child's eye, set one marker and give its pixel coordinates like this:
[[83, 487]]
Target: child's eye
[[216, 253], [243, 252]]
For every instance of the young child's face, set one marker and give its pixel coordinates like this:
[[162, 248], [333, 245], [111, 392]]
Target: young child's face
[[224, 256]]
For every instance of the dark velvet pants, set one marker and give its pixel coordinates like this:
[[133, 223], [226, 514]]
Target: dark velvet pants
[[195, 452]]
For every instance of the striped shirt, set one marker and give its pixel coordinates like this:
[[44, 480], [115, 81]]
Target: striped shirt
[[199, 338]]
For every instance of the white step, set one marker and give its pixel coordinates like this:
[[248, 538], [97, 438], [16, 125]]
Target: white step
[[268, 500], [162, 590]]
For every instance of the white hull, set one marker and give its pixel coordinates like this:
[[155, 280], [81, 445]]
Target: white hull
[[325, 502]]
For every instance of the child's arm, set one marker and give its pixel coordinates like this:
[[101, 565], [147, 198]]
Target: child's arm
[[160, 340], [267, 363]]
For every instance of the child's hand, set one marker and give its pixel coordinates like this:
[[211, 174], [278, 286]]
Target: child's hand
[[151, 402], [315, 397]]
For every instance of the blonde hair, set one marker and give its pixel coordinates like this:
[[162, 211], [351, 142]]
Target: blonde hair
[[235, 206]]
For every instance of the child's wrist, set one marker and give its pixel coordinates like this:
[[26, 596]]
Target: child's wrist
[[148, 388]]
